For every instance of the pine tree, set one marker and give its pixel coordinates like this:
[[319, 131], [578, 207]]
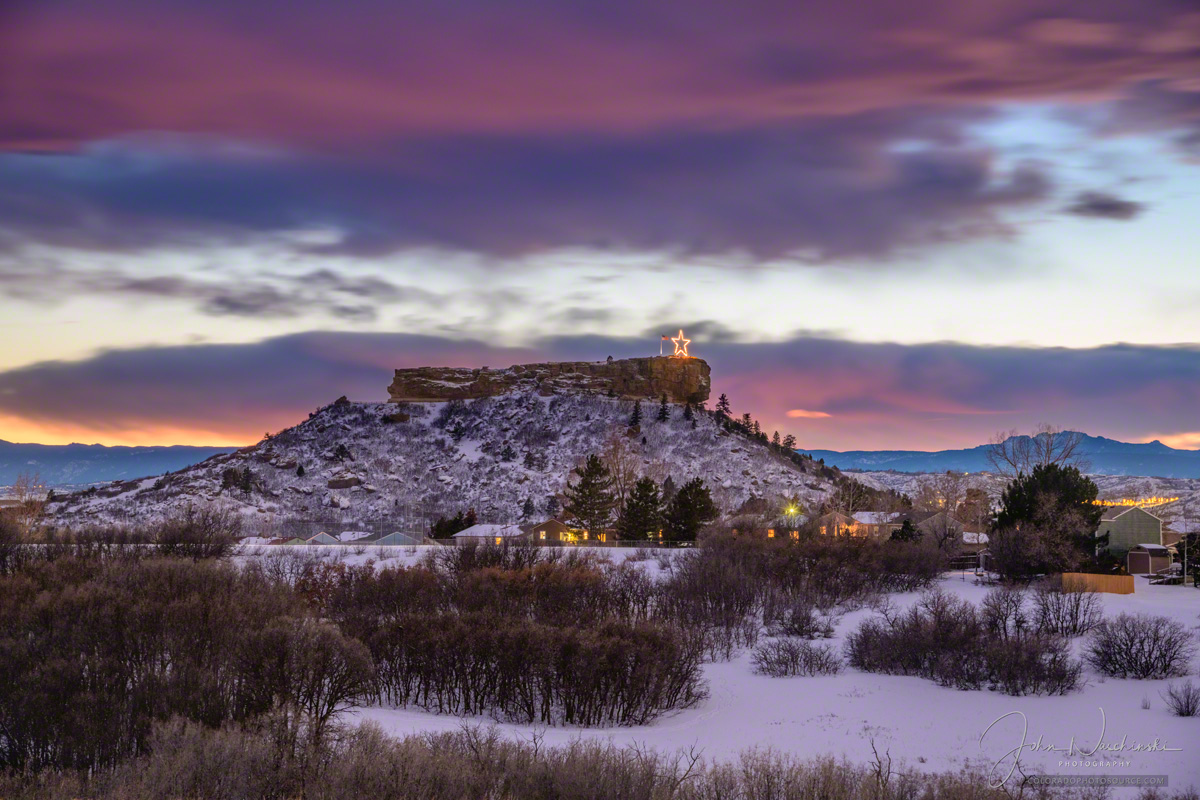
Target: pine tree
[[528, 509], [664, 413], [508, 454], [907, 532], [723, 406], [641, 517], [775, 442], [668, 490], [747, 422], [635, 419], [789, 443], [689, 511], [688, 414], [591, 500], [300, 471], [756, 428]]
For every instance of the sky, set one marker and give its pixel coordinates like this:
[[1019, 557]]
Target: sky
[[884, 225]]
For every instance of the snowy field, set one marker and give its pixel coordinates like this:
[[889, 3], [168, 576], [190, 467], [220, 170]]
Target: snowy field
[[915, 721]]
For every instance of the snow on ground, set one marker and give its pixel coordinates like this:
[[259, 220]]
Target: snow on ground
[[921, 724]]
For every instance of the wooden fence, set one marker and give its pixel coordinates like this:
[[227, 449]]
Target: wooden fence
[[1112, 584]]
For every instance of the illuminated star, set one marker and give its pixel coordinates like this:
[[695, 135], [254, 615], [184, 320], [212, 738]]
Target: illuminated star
[[681, 344]]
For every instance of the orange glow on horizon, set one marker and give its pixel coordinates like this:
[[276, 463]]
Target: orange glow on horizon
[[24, 431]]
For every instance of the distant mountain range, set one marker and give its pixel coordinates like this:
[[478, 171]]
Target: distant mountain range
[[1107, 457], [58, 465]]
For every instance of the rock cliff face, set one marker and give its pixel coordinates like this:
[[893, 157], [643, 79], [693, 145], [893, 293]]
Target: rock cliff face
[[680, 379]]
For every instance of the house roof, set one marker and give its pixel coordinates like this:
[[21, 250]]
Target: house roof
[[1152, 547], [486, 531], [1112, 512], [874, 517]]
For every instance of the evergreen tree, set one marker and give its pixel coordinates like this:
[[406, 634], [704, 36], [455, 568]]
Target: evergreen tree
[[300, 471], [641, 517], [591, 500], [664, 412], [723, 406], [688, 414], [775, 440], [635, 419], [552, 507], [668, 490], [690, 510], [508, 454], [756, 428], [528, 509], [789, 443], [747, 422], [1047, 523], [907, 532]]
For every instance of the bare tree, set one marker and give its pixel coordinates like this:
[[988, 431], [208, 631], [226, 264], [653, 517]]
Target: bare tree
[[29, 501], [1012, 454], [942, 492], [851, 496], [623, 463]]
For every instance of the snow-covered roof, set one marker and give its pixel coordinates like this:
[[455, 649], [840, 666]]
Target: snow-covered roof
[[351, 536], [486, 531], [873, 517], [1154, 547], [974, 537]]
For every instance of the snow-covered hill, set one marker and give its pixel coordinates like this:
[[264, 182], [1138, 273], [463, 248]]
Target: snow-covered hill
[[397, 467]]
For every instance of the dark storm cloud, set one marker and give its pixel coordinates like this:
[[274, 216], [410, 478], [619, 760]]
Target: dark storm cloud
[[820, 190], [506, 129], [886, 394], [1102, 205]]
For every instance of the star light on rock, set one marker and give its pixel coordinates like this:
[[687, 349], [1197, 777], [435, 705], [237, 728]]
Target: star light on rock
[[681, 344]]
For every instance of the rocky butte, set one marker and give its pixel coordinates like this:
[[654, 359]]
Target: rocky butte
[[681, 379]]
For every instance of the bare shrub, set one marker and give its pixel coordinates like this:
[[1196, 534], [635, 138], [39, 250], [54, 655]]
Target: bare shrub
[[1003, 612], [944, 639], [1140, 646], [1032, 664], [1183, 698], [205, 532], [1069, 610], [785, 657], [801, 619]]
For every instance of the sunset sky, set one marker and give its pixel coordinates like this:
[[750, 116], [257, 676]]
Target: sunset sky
[[884, 224]]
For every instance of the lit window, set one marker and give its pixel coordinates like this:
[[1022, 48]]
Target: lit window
[[497, 540], [541, 535], [796, 535], [585, 536], [770, 533]]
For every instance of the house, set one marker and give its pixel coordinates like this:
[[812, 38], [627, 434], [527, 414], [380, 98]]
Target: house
[[942, 526], [484, 533], [398, 539], [1144, 559], [287, 540], [835, 523], [876, 524], [1129, 526], [322, 538], [550, 531]]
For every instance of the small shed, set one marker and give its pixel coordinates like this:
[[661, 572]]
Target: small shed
[[1144, 559], [322, 538]]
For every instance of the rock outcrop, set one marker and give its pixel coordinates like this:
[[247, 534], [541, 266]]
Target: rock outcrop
[[680, 379]]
